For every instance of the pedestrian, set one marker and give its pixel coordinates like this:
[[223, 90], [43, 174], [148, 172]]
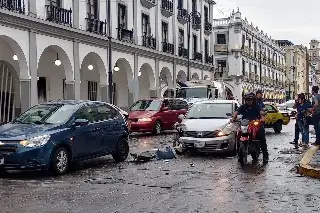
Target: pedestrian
[[259, 95], [296, 127], [316, 113], [303, 108]]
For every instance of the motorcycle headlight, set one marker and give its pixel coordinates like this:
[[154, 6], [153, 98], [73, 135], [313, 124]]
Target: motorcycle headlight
[[35, 141], [244, 128]]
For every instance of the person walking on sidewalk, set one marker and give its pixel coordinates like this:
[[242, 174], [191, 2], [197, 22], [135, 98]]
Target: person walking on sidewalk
[[296, 126], [302, 110], [316, 113]]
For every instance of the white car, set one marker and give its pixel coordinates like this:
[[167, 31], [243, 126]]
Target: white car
[[288, 107]]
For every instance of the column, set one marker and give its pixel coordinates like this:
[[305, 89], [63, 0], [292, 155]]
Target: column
[[33, 67], [70, 85], [174, 28], [32, 8], [174, 77], [157, 74], [158, 26], [75, 13], [103, 92], [135, 23], [76, 69], [202, 30], [24, 95]]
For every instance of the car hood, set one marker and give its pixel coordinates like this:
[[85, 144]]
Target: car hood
[[194, 100], [205, 124], [22, 131], [141, 114]]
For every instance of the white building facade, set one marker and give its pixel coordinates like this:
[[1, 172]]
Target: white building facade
[[57, 49], [247, 59]]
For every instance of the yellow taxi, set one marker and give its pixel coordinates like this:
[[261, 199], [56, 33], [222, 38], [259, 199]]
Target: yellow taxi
[[275, 118]]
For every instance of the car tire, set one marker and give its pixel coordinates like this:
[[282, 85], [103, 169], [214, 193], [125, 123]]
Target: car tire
[[60, 161], [157, 128], [122, 150], [277, 127], [3, 172]]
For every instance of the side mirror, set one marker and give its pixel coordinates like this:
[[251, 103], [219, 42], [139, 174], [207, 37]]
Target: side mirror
[[228, 114], [81, 122], [181, 117], [165, 109]]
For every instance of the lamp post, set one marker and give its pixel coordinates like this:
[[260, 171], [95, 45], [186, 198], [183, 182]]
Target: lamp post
[[195, 18], [109, 52]]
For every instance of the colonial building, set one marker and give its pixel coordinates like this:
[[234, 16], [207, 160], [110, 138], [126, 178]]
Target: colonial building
[[247, 59], [56, 49], [314, 55]]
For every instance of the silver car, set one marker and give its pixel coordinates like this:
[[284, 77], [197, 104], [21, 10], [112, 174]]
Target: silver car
[[206, 127]]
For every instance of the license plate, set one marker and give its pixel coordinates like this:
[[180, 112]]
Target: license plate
[[243, 139], [199, 144], [1, 161]]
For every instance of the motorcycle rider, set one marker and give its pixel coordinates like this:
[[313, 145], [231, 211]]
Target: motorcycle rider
[[253, 111]]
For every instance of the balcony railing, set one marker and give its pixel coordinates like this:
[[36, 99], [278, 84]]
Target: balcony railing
[[167, 47], [13, 5], [167, 8], [183, 52], [183, 16], [220, 48], [196, 21], [59, 15], [207, 28], [209, 59], [197, 56], [148, 3], [125, 35], [149, 41], [96, 26]]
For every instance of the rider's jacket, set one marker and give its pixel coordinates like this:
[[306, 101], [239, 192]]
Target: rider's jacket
[[250, 112]]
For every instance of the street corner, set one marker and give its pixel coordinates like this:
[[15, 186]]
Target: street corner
[[309, 164]]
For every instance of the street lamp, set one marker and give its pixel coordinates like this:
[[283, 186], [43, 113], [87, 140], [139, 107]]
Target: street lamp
[[57, 62], [90, 67], [116, 68], [15, 57], [195, 18]]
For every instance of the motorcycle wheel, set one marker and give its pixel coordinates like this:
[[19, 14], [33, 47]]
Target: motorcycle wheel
[[243, 154]]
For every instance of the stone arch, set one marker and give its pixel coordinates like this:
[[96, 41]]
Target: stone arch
[[166, 77], [147, 85], [182, 76], [122, 84], [195, 76], [23, 73]]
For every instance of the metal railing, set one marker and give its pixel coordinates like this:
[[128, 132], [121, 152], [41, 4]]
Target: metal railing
[[59, 15], [96, 26], [13, 5]]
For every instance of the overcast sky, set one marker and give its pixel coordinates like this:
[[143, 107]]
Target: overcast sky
[[292, 20]]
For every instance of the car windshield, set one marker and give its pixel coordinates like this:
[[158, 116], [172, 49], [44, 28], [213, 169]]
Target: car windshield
[[146, 105], [201, 92], [210, 110], [46, 114], [289, 104]]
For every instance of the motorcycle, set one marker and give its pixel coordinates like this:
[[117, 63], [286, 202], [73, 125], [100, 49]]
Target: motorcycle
[[248, 144]]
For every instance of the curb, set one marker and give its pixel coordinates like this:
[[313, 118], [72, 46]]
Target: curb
[[304, 168]]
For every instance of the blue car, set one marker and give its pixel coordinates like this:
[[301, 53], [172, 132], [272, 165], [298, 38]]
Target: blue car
[[54, 134]]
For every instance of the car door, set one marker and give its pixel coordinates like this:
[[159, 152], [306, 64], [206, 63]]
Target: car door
[[165, 116], [181, 108], [86, 138]]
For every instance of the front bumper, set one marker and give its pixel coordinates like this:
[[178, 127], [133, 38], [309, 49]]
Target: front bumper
[[17, 157], [141, 126], [209, 145]]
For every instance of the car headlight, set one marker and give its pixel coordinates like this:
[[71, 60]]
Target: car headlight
[[144, 119], [35, 141], [225, 131]]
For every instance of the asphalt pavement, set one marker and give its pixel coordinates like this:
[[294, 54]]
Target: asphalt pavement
[[186, 184]]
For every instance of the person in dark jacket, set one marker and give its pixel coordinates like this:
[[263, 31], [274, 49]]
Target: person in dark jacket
[[316, 113], [259, 94], [303, 109]]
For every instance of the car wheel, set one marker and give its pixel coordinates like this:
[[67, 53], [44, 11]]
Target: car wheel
[[60, 161], [122, 150], [277, 127], [3, 172], [157, 128]]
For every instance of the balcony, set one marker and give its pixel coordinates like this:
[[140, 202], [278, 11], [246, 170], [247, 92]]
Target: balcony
[[59, 15], [207, 28], [125, 35], [183, 16], [149, 41], [257, 78], [96, 26], [197, 56], [167, 8], [221, 48], [183, 52], [209, 59], [167, 47], [17, 6], [148, 3], [196, 21]]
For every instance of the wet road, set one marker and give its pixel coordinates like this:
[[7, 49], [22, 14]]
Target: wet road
[[187, 184]]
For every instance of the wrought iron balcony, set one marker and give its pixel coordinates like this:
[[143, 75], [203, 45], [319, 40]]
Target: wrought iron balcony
[[13, 5], [59, 15], [125, 35], [167, 8], [197, 56], [209, 59], [183, 52], [149, 41], [96, 26], [207, 28], [196, 21], [148, 3], [183, 16], [167, 47]]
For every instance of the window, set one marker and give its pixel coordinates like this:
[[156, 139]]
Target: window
[[210, 110], [243, 41], [181, 38], [42, 89], [250, 67], [87, 113], [146, 105], [92, 90], [93, 8], [206, 47], [250, 43], [270, 109], [106, 112], [179, 105], [221, 38], [194, 43], [56, 3], [122, 16], [194, 5], [255, 69], [243, 67], [146, 29], [206, 14], [164, 31], [222, 64], [180, 4]]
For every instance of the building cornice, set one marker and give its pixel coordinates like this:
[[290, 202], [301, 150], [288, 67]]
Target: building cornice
[[28, 23]]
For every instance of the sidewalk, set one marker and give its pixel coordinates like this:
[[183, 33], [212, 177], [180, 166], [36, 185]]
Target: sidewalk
[[310, 163]]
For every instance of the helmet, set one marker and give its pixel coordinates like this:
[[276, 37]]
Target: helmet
[[259, 92], [249, 96]]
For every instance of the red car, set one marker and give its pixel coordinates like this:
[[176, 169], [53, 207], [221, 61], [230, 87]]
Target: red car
[[155, 115]]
